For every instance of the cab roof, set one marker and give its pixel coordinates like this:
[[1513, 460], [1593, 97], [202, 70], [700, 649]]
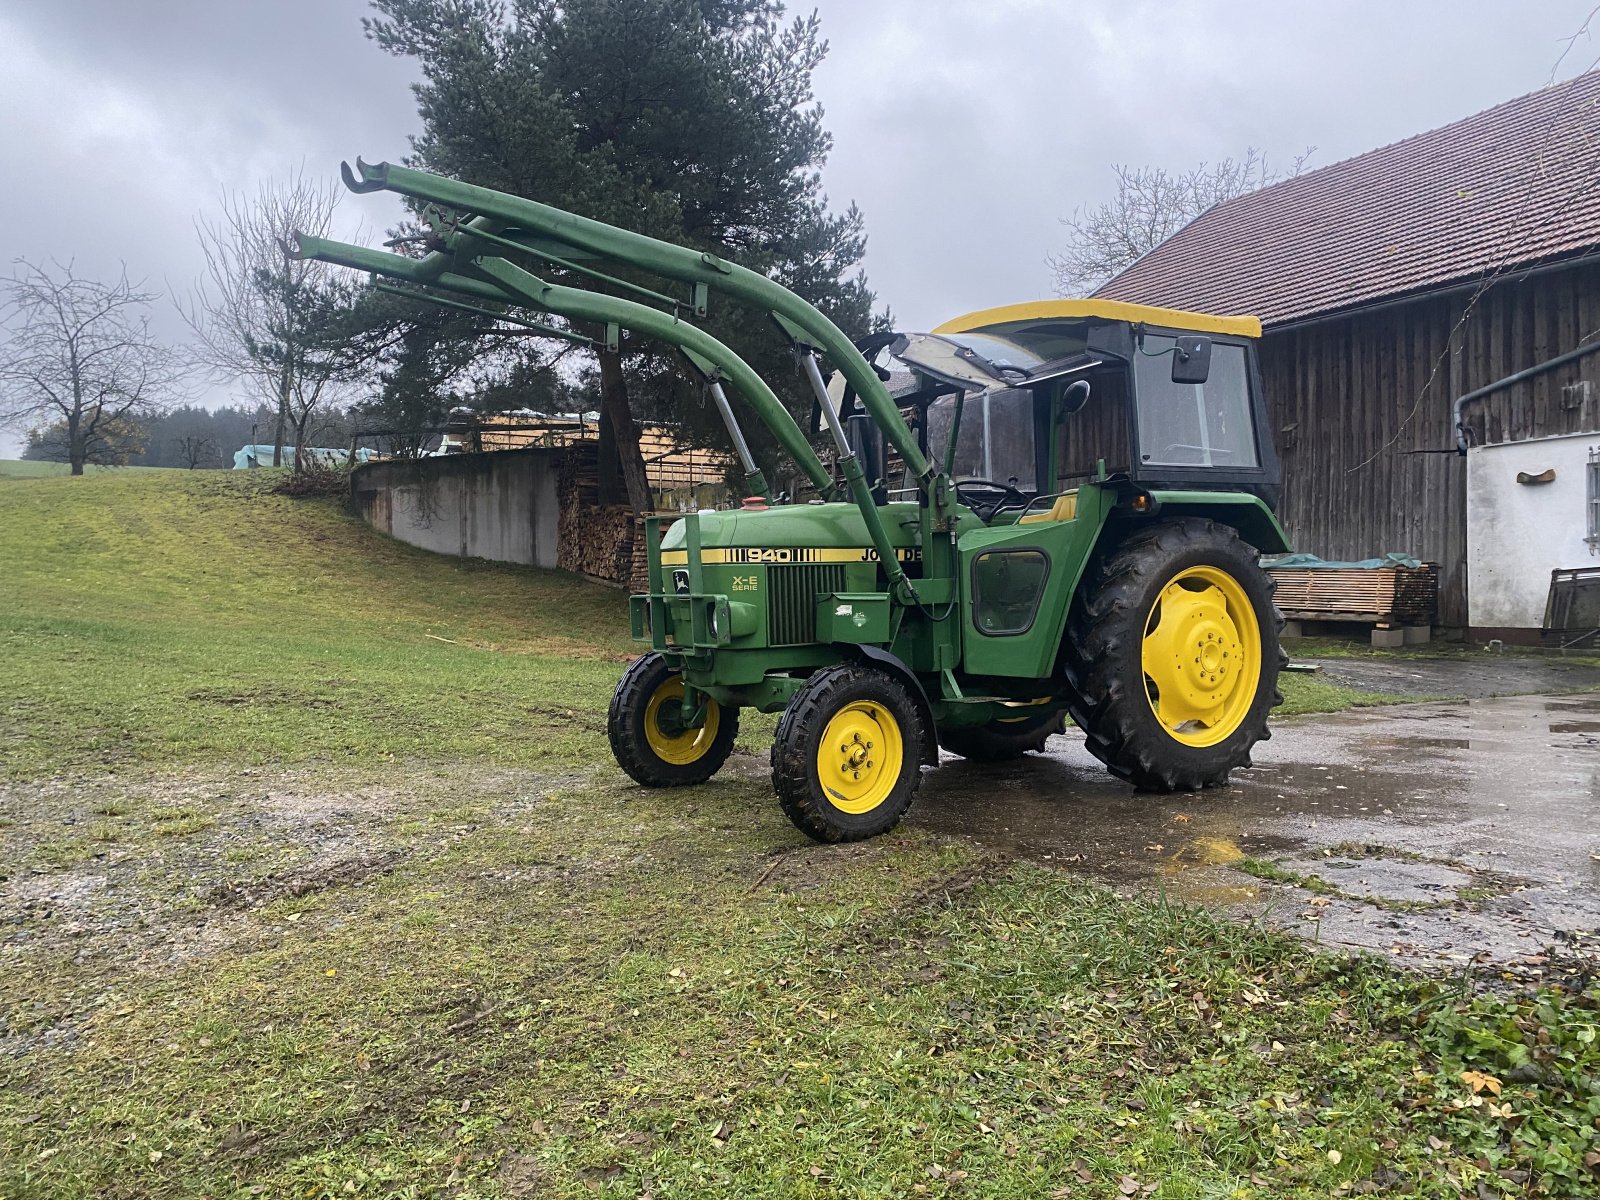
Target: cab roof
[[1105, 310]]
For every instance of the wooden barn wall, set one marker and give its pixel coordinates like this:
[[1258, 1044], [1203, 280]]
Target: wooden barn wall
[[1354, 400]]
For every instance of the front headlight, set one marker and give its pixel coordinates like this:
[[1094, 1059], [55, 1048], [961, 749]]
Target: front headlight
[[719, 623]]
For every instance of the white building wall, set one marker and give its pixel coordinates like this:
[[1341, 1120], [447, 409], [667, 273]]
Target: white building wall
[[1517, 533]]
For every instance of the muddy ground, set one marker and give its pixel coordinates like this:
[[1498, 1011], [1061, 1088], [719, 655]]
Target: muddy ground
[[1447, 835], [1443, 834]]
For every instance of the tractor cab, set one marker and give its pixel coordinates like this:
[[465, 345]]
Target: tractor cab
[[1022, 404]]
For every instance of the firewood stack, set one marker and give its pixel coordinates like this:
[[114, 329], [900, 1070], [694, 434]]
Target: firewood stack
[[594, 540]]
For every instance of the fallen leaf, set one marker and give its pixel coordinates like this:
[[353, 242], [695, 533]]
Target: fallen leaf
[[1127, 1185], [1155, 847], [331, 972], [1181, 818], [1478, 1081], [155, 1156]]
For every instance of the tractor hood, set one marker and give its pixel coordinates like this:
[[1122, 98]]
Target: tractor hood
[[794, 527]]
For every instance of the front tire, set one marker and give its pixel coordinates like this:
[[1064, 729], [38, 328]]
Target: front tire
[[647, 734], [846, 760], [1172, 656]]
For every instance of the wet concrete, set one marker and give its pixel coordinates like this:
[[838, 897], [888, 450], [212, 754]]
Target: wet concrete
[[1466, 673], [1443, 834]]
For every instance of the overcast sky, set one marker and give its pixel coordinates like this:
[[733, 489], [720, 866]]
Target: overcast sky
[[964, 130]]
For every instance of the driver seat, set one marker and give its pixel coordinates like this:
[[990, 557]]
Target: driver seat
[[1064, 509]]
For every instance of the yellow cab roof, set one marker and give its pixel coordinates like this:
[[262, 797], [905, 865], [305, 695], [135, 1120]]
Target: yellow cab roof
[[1106, 310]]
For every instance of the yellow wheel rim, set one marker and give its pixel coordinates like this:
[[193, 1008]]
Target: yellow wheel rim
[[664, 731], [859, 760], [1202, 656]]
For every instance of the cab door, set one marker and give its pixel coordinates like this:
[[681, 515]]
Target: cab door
[[1017, 582]]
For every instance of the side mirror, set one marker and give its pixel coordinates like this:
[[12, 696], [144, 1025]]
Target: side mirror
[[1075, 397], [1191, 360]]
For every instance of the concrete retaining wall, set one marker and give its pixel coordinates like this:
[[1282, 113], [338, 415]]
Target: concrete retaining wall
[[499, 505]]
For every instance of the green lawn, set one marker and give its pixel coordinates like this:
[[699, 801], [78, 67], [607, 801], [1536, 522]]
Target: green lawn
[[18, 468], [317, 882]]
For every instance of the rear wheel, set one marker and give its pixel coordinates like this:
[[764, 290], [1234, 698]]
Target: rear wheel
[[846, 760], [648, 736], [1173, 657], [1004, 739]]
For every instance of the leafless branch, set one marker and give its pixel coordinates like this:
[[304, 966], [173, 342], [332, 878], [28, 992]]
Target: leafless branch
[[79, 363], [1150, 205]]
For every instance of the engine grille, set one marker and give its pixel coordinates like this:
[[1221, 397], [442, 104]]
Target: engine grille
[[792, 593]]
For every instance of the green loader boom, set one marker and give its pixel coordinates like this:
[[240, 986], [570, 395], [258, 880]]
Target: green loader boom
[[1059, 515]]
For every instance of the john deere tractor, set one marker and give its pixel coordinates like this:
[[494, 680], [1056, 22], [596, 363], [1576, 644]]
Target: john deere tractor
[[1056, 513]]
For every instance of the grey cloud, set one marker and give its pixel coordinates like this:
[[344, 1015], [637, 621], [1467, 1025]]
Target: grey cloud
[[964, 130]]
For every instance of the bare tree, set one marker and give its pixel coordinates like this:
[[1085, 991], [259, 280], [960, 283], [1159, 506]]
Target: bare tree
[[195, 448], [79, 361], [276, 321], [1151, 204]]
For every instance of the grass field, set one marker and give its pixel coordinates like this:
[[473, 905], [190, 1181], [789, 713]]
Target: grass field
[[17, 468], [318, 882]]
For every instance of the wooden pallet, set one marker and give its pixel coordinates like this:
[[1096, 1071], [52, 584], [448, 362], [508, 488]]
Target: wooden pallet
[[1386, 595]]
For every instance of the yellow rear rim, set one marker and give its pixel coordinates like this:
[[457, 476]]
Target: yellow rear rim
[[664, 731], [859, 760], [1202, 656]]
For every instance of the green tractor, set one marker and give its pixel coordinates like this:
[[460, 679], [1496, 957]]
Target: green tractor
[[1057, 512]]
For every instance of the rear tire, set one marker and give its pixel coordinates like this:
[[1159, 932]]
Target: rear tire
[[846, 760], [1002, 740], [648, 739], [1172, 656]]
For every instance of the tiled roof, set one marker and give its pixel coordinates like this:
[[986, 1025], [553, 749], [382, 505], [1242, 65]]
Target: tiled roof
[[1516, 184]]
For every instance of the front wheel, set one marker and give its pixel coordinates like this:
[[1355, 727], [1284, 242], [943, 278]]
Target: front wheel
[[847, 756], [1172, 656], [647, 733]]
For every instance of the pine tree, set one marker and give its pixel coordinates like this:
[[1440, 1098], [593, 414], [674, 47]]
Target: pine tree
[[689, 120]]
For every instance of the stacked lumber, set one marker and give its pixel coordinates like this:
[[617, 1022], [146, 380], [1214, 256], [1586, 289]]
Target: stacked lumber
[[1402, 595]]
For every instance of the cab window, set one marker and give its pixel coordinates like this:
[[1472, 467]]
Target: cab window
[[1193, 424]]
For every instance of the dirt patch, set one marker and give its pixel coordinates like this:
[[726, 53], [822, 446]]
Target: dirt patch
[[252, 893]]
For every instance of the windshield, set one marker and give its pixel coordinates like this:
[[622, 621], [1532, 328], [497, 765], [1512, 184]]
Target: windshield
[[996, 437]]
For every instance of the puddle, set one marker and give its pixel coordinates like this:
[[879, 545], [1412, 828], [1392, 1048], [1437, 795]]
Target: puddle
[[1387, 879], [1462, 797]]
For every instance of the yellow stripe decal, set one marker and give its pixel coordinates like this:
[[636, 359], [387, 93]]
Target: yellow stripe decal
[[718, 556]]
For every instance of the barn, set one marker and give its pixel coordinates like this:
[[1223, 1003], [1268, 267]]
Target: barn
[[1450, 278]]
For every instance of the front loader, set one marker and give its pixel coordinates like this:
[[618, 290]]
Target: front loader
[[1060, 515]]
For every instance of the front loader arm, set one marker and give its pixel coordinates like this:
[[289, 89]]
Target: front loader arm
[[500, 282], [801, 320]]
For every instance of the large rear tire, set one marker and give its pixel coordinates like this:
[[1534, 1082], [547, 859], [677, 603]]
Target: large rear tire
[[648, 737], [1002, 740], [846, 760], [1172, 656]]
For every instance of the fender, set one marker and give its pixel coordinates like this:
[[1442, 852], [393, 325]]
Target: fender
[[888, 663]]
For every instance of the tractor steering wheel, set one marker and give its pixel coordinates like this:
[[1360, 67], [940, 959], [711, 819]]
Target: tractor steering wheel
[[1001, 495]]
